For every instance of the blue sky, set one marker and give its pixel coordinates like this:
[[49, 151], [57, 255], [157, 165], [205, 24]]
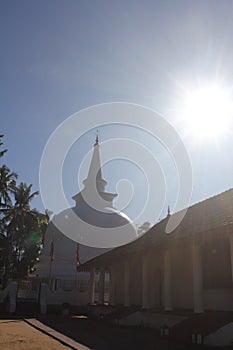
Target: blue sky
[[58, 57]]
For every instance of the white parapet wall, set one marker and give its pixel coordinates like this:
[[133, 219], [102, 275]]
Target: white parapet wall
[[10, 292], [73, 297]]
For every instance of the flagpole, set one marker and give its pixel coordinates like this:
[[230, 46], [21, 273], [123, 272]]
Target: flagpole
[[76, 277], [50, 272], [77, 265], [51, 260]]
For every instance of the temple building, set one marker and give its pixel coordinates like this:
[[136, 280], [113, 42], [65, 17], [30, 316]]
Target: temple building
[[188, 269], [182, 279], [179, 282]]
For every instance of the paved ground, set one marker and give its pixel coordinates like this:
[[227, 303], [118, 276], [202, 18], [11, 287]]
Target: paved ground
[[98, 335], [92, 334]]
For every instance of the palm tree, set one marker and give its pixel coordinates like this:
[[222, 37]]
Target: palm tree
[[7, 188], [7, 181], [23, 228], [29, 243], [21, 216], [23, 196], [2, 152], [7, 185]]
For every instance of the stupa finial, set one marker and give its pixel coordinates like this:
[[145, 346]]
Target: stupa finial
[[97, 138], [168, 211]]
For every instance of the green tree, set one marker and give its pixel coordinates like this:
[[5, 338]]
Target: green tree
[[22, 229], [2, 152], [25, 229], [7, 185], [27, 242], [7, 180], [144, 228]]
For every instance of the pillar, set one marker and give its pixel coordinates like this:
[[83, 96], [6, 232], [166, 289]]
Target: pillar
[[145, 282], [231, 251], [167, 281], [197, 277], [101, 285], [112, 292], [12, 293], [92, 286], [43, 298], [126, 283]]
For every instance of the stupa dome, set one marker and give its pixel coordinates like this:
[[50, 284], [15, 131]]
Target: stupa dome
[[93, 222]]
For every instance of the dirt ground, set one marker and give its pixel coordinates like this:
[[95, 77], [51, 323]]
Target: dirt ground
[[18, 335]]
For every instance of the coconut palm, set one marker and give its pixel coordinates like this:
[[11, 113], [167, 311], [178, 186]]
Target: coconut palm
[[2, 152], [23, 196], [7, 188], [7, 185], [22, 229], [27, 241], [25, 228]]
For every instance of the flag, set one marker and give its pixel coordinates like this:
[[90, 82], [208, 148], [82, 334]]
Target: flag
[[52, 250], [77, 256]]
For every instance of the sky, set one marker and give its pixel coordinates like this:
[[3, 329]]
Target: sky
[[59, 57]]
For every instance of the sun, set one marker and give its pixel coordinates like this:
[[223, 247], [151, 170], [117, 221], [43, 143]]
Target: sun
[[208, 111]]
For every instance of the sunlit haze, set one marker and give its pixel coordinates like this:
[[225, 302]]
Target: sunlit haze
[[209, 111], [174, 57]]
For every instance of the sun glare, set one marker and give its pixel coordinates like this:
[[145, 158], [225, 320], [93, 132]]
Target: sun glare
[[208, 111]]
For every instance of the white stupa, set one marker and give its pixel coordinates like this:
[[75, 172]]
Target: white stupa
[[93, 217]]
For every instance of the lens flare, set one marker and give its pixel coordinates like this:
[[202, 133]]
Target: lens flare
[[208, 111]]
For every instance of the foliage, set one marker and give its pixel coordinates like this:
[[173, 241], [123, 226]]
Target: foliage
[[2, 152], [144, 228], [22, 228]]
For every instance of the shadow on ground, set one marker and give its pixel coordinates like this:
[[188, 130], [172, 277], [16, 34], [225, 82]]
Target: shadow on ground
[[98, 335]]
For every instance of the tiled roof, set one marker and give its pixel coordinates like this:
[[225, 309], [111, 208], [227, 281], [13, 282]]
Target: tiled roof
[[216, 211]]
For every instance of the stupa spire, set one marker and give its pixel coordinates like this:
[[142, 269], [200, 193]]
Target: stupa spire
[[97, 138], [95, 171], [95, 178]]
